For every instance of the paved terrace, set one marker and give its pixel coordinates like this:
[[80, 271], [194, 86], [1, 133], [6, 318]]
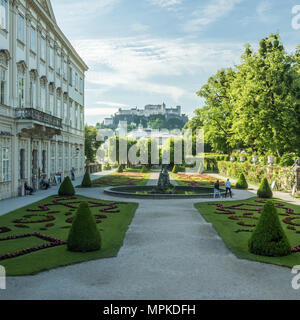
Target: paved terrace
[[169, 252]]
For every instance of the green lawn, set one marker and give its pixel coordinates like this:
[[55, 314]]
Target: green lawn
[[130, 178], [112, 225], [237, 242]]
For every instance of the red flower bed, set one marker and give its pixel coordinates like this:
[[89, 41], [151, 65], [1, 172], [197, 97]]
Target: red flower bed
[[53, 243], [4, 229]]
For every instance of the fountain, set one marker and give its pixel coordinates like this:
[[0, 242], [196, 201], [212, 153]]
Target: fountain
[[163, 190]]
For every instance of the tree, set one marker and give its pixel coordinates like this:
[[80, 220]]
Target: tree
[[254, 106], [86, 181], [268, 238], [171, 146], [91, 144], [265, 97], [84, 235], [241, 183], [216, 115], [66, 188], [264, 191]]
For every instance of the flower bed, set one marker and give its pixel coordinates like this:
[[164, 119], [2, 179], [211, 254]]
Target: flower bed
[[122, 179], [53, 243], [253, 211], [195, 180], [48, 217], [234, 221]]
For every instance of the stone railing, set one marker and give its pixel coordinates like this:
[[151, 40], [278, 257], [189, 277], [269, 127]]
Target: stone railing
[[37, 115]]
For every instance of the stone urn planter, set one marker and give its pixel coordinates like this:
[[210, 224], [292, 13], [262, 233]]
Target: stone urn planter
[[232, 159], [242, 158], [270, 160], [254, 159]]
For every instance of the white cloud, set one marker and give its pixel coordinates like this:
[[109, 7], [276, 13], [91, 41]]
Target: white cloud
[[210, 13], [264, 12], [82, 10], [153, 65], [166, 3], [111, 104], [139, 27], [100, 111]]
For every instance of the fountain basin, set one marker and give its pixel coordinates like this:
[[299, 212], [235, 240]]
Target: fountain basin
[[151, 192]]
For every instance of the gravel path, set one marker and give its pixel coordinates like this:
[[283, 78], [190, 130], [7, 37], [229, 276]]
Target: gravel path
[[169, 252]]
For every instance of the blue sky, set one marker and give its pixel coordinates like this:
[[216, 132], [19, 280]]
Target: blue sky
[[152, 51]]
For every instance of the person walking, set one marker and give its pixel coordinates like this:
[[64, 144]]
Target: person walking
[[217, 189], [228, 188]]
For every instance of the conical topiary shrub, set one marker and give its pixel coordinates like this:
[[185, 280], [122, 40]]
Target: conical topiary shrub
[[86, 181], [264, 190], [66, 188], [242, 182], [268, 238], [120, 169], [175, 169], [84, 235]]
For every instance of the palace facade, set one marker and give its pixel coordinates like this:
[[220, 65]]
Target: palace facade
[[41, 98]]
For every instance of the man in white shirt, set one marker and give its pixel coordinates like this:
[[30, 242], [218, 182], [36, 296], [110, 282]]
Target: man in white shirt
[[228, 188]]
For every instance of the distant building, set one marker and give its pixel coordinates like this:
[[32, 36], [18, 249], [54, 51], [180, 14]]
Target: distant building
[[136, 116]]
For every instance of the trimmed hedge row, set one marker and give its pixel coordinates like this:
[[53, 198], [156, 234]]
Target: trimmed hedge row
[[284, 177]]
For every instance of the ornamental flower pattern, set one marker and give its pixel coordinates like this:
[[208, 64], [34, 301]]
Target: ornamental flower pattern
[[242, 212]]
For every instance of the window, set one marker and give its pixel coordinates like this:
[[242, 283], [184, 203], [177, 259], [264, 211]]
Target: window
[[3, 14], [65, 111], [76, 80], [58, 63], [51, 62], [81, 86], [51, 103], [70, 76], [33, 39], [60, 156], [58, 114], [5, 164], [73, 78], [32, 93], [21, 90], [52, 153], [44, 161], [66, 157], [21, 28], [22, 164], [43, 98], [2, 86], [65, 70], [43, 49], [76, 117]]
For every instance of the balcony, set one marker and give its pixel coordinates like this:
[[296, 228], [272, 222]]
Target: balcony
[[35, 123], [39, 116]]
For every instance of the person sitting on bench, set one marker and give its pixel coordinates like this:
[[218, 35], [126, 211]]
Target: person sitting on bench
[[44, 183], [28, 188]]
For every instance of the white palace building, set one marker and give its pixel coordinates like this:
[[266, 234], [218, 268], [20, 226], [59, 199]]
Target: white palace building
[[41, 98]]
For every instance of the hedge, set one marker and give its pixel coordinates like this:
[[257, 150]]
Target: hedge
[[66, 188], [264, 191], [86, 181], [268, 238], [84, 235]]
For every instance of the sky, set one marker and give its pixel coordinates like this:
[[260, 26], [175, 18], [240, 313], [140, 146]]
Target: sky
[[153, 51]]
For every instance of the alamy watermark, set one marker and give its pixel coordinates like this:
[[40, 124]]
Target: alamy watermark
[[296, 17], [2, 278], [154, 148]]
